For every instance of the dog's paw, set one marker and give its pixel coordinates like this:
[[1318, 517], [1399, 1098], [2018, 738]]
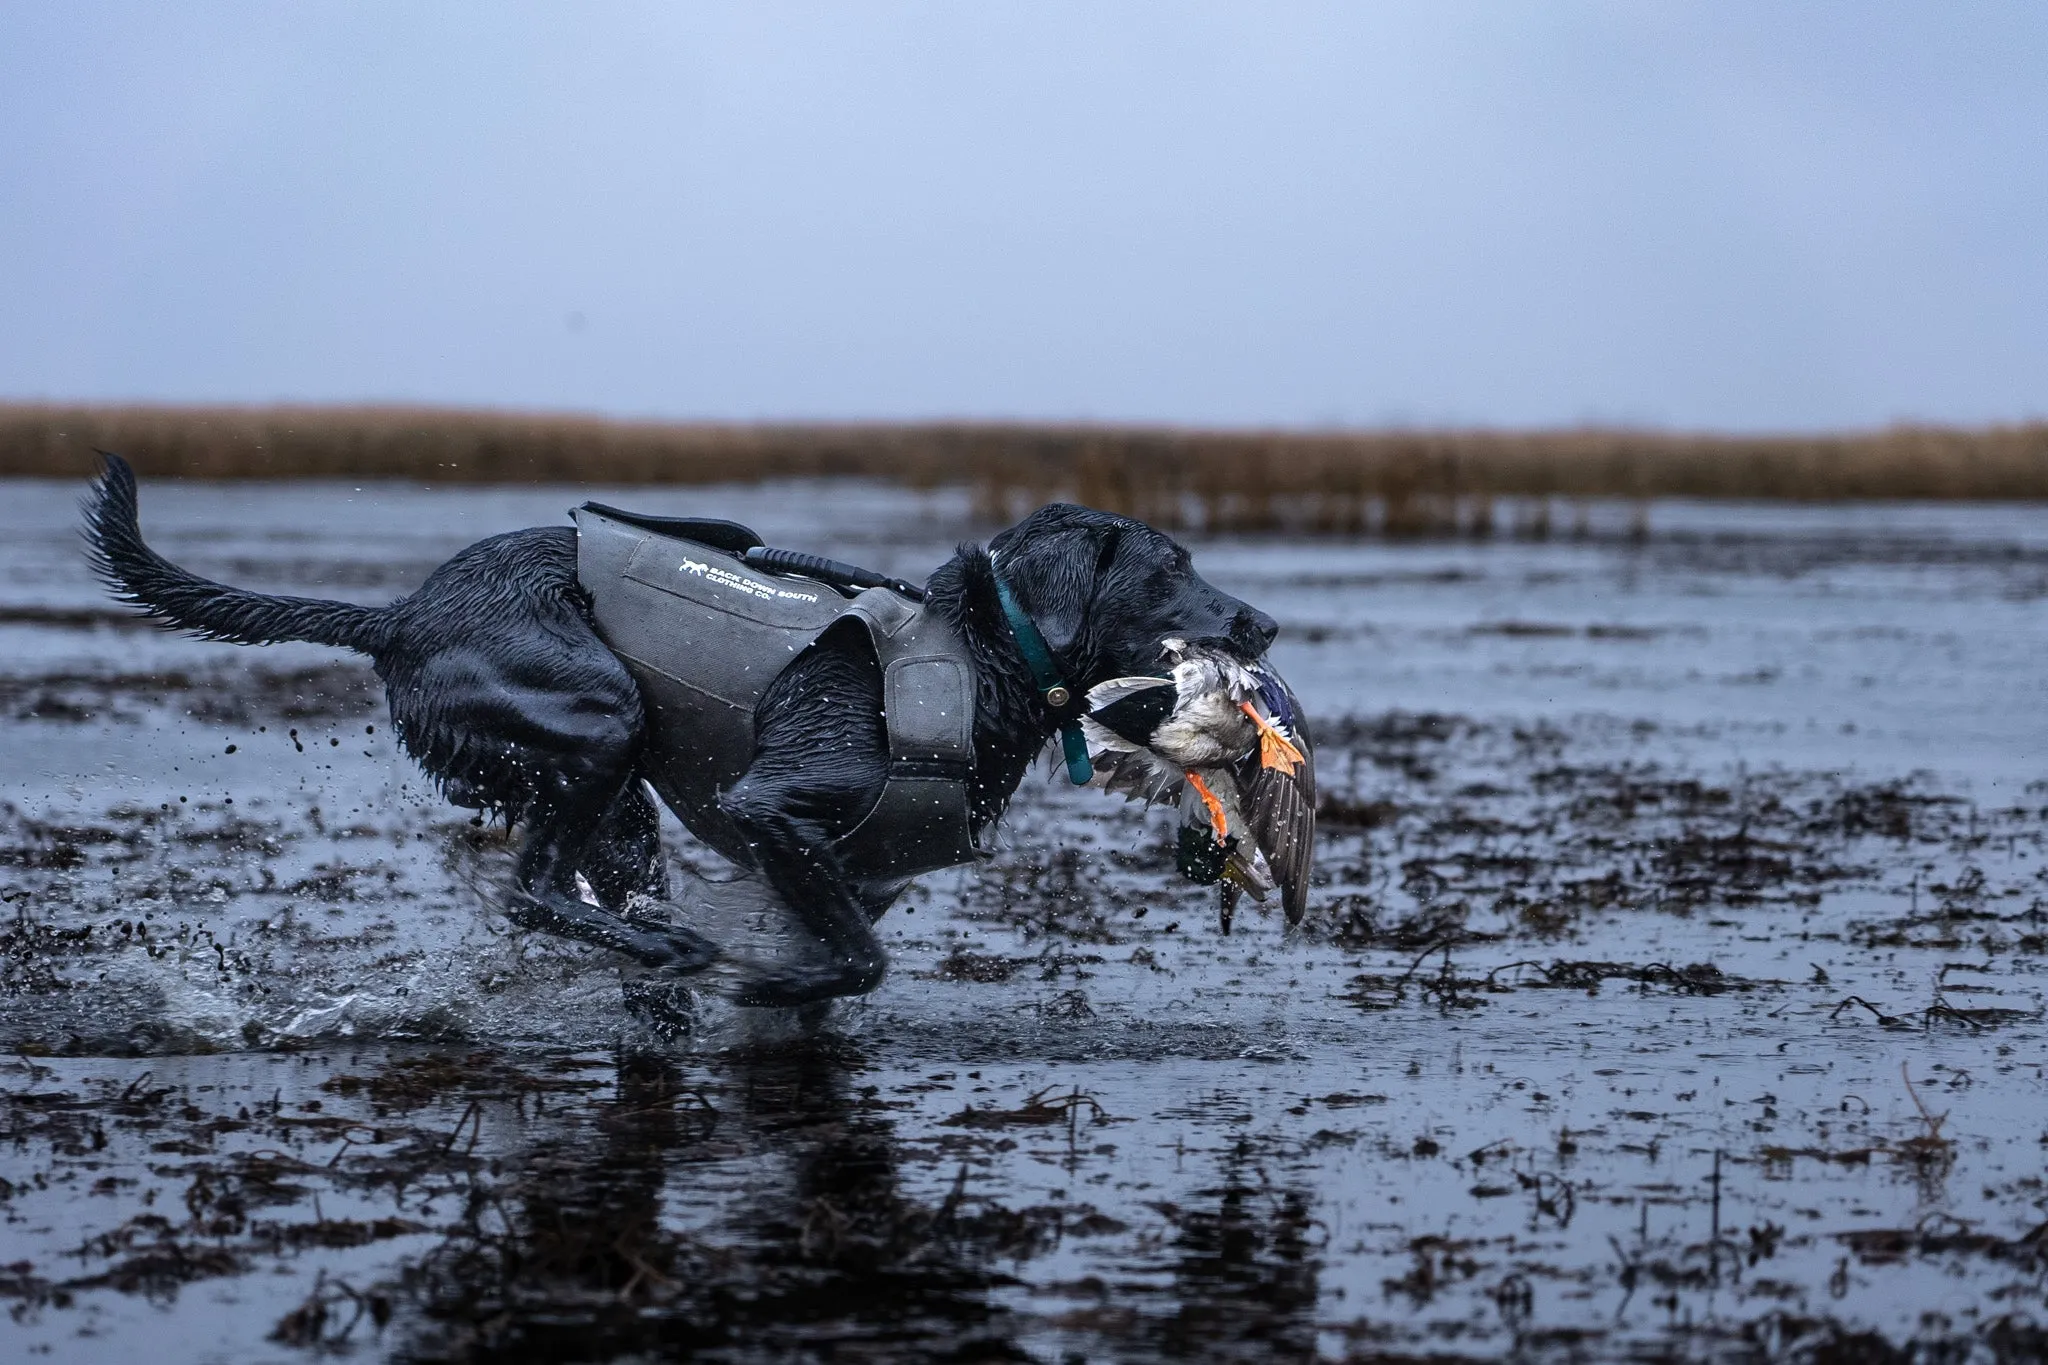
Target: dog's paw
[[689, 953], [756, 983], [814, 986], [729, 975]]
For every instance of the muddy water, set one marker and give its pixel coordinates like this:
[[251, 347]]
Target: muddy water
[[1673, 989]]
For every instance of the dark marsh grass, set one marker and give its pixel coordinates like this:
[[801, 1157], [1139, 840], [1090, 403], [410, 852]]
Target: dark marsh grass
[[1396, 482]]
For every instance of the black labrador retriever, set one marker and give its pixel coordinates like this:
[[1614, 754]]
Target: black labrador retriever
[[501, 689]]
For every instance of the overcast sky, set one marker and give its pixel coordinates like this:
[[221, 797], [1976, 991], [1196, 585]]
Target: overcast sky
[[1724, 215]]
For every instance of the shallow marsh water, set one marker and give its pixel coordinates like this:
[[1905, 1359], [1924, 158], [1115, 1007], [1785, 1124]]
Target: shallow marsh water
[[1673, 989]]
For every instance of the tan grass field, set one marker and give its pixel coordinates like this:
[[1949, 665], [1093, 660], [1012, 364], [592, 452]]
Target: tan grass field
[[1352, 482]]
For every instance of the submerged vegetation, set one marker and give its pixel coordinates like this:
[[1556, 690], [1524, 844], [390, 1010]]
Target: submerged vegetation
[[1379, 482]]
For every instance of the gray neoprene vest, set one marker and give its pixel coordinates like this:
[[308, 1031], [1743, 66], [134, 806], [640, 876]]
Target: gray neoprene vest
[[704, 635]]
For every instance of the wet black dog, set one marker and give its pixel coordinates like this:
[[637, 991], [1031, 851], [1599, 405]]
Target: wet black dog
[[502, 690]]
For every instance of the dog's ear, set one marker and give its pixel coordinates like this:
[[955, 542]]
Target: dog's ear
[[1054, 560]]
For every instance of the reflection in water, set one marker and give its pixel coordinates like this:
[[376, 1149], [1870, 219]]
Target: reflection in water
[[1244, 1272], [556, 1260], [846, 1257], [584, 1248]]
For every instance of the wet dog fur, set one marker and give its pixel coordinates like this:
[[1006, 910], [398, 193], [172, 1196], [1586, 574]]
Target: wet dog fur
[[500, 688]]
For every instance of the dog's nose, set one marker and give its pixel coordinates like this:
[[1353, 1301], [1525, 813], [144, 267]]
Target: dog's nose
[[1254, 630]]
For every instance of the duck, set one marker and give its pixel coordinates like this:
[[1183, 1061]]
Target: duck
[[1228, 740]]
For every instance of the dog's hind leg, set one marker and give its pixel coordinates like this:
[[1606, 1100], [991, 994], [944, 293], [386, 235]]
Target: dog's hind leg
[[623, 864], [501, 688], [623, 858], [557, 845]]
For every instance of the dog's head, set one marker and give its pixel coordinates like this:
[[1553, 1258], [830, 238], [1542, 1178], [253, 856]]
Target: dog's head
[[1106, 591]]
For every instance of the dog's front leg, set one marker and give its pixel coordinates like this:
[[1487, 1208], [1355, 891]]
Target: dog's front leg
[[796, 855], [821, 756], [877, 896]]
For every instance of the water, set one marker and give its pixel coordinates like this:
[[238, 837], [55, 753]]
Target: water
[[1672, 991]]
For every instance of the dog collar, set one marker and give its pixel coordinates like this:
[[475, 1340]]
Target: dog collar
[[1045, 675]]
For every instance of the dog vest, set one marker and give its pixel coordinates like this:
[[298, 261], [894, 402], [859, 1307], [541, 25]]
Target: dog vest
[[704, 635]]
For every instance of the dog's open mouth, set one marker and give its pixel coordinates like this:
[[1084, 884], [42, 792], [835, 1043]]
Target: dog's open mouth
[[1234, 648], [1174, 647]]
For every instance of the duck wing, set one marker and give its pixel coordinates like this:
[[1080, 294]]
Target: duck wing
[[1122, 715], [1129, 770], [1133, 707], [1279, 782]]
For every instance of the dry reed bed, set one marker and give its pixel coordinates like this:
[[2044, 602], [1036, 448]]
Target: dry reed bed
[[1395, 483]]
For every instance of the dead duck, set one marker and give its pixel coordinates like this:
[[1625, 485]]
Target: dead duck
[[1229, 741]]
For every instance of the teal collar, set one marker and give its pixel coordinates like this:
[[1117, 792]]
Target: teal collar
[[1045, 674]]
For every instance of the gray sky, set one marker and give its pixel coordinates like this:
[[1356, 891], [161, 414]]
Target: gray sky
[[1731, 215]]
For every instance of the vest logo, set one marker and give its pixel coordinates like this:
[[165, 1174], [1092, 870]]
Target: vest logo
[[726, 578]]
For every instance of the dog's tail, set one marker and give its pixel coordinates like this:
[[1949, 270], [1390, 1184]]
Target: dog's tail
[[185, 601]]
